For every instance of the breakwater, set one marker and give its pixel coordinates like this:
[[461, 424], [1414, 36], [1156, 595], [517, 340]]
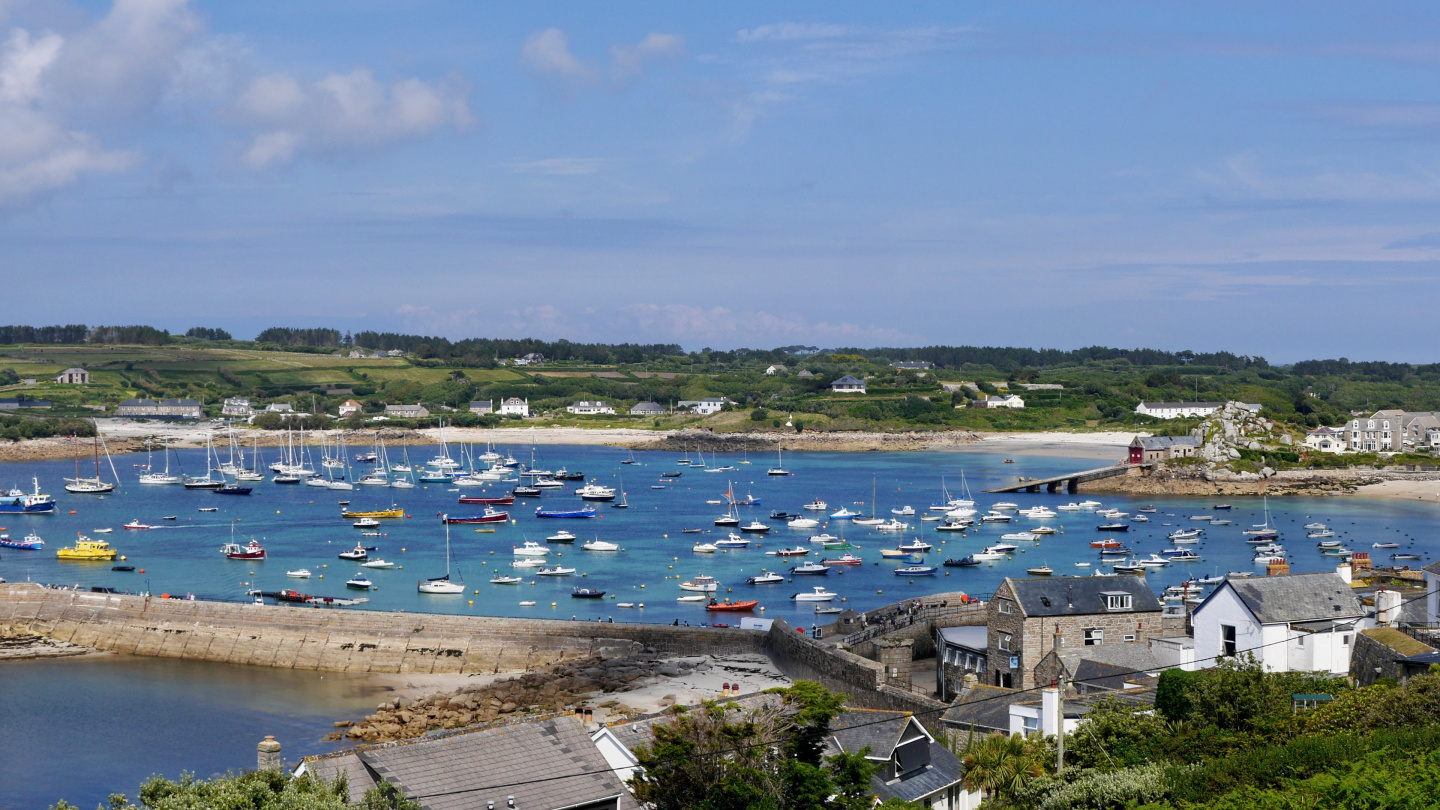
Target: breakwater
[[342, 641]]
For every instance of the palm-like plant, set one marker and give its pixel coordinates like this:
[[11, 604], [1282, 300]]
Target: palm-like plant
[[1000, 765]]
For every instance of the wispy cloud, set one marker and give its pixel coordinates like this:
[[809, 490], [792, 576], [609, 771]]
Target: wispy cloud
[[791, 32], [562, 166], [547, 54], [1245, 176]]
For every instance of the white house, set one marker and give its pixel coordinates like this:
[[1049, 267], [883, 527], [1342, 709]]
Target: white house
[[706, 406], [1177, 410], [1326, 440], [349, 407], [1290, 623], [848, 385], [775, 369], [279, 407], [515, 406], [1008, 401], [415, 411], [1432, 598], [73, 376], [237, 406], [912, 365], [587, 407]]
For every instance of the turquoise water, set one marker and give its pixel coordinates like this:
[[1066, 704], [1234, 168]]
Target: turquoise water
[[300, 527], [81, 729]]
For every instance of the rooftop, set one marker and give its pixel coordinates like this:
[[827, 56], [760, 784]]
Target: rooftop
[[1296, 597], [1079, 596]]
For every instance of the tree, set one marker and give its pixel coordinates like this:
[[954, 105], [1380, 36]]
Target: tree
[[256, 790], [1001, 764], [723, 756]]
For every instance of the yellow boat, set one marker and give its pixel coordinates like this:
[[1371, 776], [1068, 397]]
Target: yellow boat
[[378, 513], [87, 549]]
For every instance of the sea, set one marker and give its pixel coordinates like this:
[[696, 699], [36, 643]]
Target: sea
[[125, 719]]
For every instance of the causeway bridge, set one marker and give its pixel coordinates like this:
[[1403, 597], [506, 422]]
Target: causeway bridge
[[1070, 480]]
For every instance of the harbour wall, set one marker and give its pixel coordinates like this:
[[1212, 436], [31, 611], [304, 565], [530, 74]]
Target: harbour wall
[[800, 657], [341, 640]]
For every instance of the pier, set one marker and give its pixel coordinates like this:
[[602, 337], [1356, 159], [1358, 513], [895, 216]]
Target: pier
[[1069, 481]]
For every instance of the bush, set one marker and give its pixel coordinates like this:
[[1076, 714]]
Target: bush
[[759, 415], [1101, 791]]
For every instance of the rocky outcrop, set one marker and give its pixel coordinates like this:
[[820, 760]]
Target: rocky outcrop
[[1198, 480], [546, 692]]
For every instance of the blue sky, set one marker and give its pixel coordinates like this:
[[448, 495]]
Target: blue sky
[[1260, 178]]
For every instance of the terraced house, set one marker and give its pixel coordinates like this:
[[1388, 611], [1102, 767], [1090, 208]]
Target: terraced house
[[1029, 617]]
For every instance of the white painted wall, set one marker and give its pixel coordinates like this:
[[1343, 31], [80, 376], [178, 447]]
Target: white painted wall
[[1224, 607]]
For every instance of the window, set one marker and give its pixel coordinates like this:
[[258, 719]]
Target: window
[[1004, 606], [1032, 725], [1005, 639], [1129, 637], [1094, 636], [1227, 640], [1301, 641], [1345, 640], [1116, 600]]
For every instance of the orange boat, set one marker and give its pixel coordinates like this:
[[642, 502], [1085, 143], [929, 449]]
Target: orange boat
[[732, 607], [1111, 543]]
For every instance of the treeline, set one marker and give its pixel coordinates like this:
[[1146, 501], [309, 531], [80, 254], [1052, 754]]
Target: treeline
[[204, 333], [80, 333], [1009, 358], [312, 338], [440, 348], [1369, 370]]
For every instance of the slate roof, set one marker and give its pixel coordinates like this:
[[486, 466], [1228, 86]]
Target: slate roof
[[1080, 596], [986, 708], [443, 773], [1432, 568], [1165, 442], [881, 730], [848, 379], [1110, 666], [1296, 597], [976, 637], [1174, 405]]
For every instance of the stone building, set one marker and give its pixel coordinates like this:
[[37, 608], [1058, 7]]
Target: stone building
[[1145, 449], [73, 376], [416, 411], [1024, 615]]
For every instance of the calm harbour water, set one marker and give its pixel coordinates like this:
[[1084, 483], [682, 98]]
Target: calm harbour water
[[208, 718]]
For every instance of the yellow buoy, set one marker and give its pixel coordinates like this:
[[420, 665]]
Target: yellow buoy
[[472, 601]]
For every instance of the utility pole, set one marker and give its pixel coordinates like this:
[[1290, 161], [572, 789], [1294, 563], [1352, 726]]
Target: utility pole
[[1059, 706]]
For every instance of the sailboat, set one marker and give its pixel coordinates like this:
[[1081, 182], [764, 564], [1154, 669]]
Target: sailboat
[[377, 477], [624, 502], [872, 520], [152, 477], [343, 463], [442, 585], [779, 468], [629, 460], [93, 486], [402, 481], [1264, 529], [253, 474]]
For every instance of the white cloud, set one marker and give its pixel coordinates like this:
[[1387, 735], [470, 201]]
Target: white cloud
[[343, 111], [547, 54], [38, 153]]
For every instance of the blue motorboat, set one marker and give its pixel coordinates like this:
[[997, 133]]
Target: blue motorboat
[[16, 502], [916, 571]]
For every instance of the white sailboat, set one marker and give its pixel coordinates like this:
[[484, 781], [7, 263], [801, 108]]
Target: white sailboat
[[92, 486], [779, 468], [442, 585], [152, 477]]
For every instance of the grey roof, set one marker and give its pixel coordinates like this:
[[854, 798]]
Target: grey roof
[[1080, 596], [986, 708], [805, 372], [462, 771], [1173, 405], [358, 777], [912, 364], [848, 379], [943, 771], [1432, 568], [1165, 442], [975, 636], [1108, 666], [1295, 597], [854, 729], [184, 402]]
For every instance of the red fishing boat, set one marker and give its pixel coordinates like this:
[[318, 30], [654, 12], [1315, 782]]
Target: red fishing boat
[[249, 551], [489, 500], [490, 516], [732, 607]]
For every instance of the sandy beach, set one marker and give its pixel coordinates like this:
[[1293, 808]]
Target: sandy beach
[[1103, 446], [1426, 490]]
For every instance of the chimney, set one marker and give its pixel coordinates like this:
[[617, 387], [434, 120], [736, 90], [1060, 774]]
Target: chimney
[[968, 683], [1049, 708], [1345, 572], [267, 757]]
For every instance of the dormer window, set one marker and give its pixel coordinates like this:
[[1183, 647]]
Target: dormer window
[[1116, 600]]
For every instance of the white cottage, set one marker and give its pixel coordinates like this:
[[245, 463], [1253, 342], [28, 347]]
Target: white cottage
[[1290, 623], [515, 406]]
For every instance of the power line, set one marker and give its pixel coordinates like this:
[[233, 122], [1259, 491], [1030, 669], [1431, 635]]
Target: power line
[[1006, 696]]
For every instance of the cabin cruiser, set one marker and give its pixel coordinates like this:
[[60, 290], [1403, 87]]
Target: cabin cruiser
[[818, 594], [600, 545], [700, 584], [768, 578], [530, 549]]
